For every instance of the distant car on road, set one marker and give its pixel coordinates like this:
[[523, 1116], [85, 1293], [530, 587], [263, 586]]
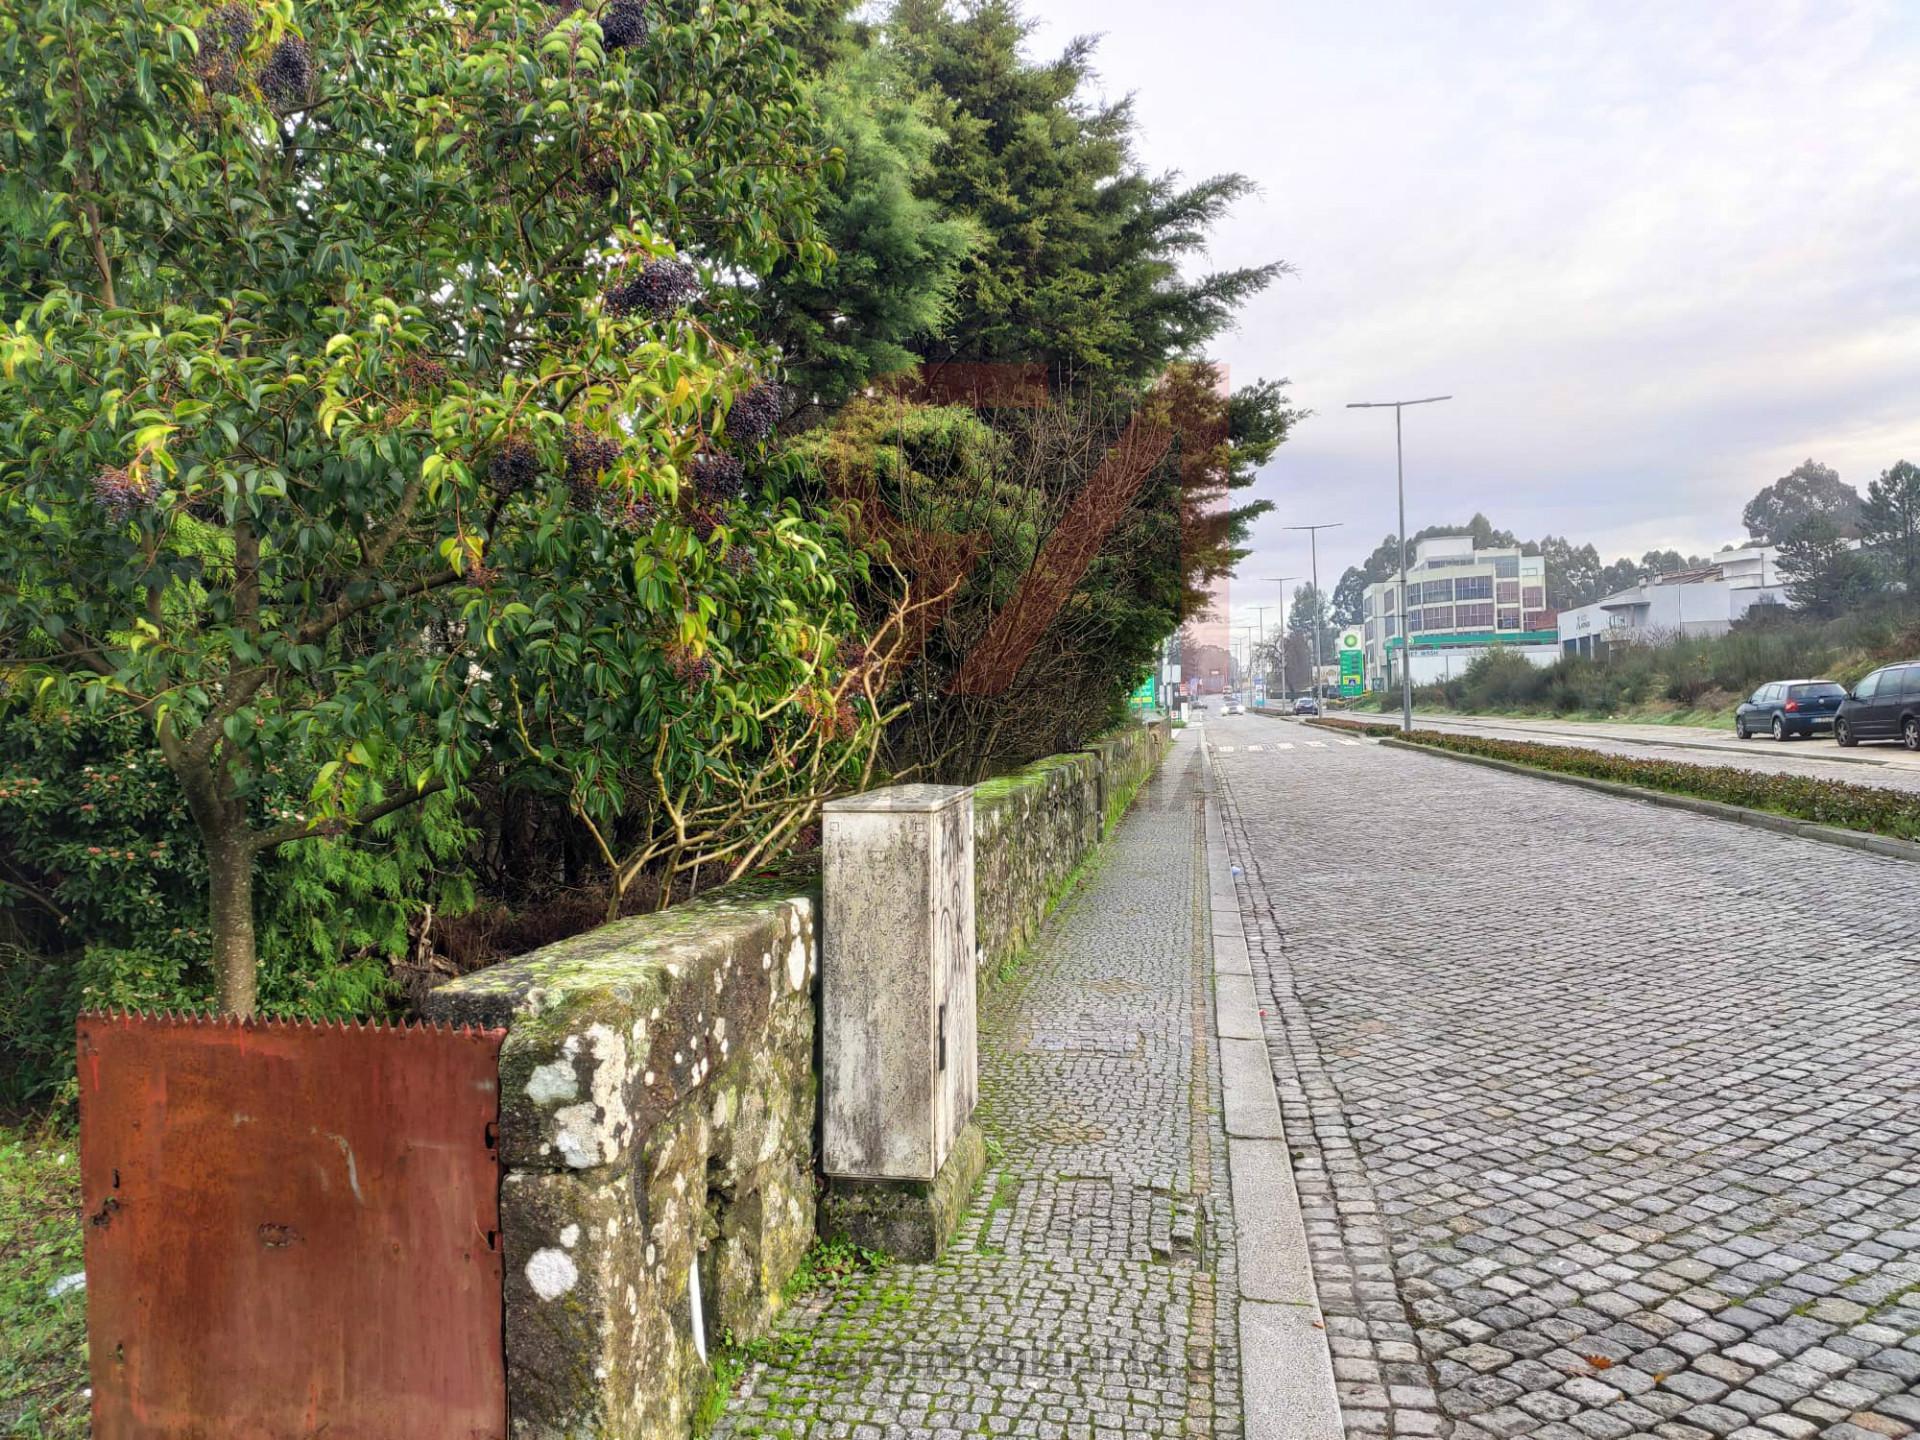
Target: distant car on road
[[1306, 705], [1789, 707], [1884, 706], [1234, 707]]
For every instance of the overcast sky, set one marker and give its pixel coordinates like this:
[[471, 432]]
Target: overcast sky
[[1660, 252]]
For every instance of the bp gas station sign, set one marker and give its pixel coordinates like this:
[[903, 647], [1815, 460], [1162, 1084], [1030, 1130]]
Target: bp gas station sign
[[1353, 678]]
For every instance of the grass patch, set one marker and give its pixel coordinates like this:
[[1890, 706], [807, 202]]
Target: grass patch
[[43, 1344], [1865, 808], [1006, 1191]]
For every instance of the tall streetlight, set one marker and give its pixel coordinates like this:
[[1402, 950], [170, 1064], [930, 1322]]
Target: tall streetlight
[[1400, 477], [1260, 635], [1319, 600], [1281, 581]]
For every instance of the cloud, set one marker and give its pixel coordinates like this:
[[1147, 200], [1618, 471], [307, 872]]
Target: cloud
[[1659, 253]]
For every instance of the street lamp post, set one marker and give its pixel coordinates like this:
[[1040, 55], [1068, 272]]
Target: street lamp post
[[1319, 600], [1259, 637], [1281, 581], [1400, 479]]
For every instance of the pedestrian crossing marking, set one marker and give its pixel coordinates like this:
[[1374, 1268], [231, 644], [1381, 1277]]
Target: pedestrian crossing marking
[[1224, 749], [1284, 745], [1252, 748], [1316, 745], [1349, 742]]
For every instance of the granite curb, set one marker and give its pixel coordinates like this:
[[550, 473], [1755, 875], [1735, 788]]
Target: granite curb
[[1286, 1364]]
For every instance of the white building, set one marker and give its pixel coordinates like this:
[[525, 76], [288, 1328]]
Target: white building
[[1689, 602], [1459, 604]]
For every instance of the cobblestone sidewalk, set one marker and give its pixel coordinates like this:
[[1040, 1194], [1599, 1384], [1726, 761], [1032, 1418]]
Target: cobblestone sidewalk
[[1080, 1299], [1606, 1118]]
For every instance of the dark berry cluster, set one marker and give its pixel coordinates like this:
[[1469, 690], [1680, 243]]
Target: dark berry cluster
[[229, 28], [754, 414], [705, 520], [589, 454], [658, 288], [738, 560], [632, 515], [688, 668], [718, 478], [120, 494], [287, 77], [623, 24], [597, 183], [514, 466], [224, 35], [423, 372]]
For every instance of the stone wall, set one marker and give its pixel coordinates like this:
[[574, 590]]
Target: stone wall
[[658, 1092], [1032, 829], [657, 1103]]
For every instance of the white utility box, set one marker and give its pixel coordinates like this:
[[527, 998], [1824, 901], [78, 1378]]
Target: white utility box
[[898, 1060]]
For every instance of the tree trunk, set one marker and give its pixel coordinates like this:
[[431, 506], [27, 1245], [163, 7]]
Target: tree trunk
[[222, 822], [230, 893]]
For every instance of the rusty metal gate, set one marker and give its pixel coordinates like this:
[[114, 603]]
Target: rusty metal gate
[[292, 1229]]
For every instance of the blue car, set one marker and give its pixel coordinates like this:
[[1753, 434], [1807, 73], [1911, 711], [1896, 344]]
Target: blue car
[[1789, 707]]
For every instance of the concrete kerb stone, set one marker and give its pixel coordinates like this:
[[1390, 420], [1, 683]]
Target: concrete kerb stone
[[1885, 845], [1286, 1374], [1238, 1012], [1247, 1096], [1287, 1387]]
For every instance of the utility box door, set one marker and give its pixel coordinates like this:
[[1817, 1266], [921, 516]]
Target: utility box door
[[898, 1028]]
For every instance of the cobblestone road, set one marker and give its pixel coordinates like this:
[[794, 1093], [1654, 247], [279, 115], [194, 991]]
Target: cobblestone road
[[1606, 1118], [1080, 1301]]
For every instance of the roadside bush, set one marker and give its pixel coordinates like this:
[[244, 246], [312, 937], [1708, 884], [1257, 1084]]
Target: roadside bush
[[1824, 802], [103, 894]]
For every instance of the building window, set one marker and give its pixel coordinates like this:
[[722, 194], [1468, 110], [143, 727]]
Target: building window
[[1509, 619], [1437, 617], [1369, 636], [1393, 626], [1473, 587], [1540, 619], [1507, 567], [1509, 592], [1535, 597], [1436, 590], [1416, 621], [1473, 617]]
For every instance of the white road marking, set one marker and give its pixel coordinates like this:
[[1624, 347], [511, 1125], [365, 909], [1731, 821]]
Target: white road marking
[[1224, 749], [1252, 748], [1316, 745], [1346, 742], [1284, 745]]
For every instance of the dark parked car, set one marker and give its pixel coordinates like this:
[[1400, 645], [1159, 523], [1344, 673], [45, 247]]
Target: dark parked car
[[1884, 706], [1306, 705], [1789, 707]]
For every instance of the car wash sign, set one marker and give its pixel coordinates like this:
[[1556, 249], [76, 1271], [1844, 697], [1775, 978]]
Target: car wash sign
[[1353, 679]]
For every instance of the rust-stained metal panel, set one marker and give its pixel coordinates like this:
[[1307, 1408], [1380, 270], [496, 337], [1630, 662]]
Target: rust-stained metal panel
[[292, 1229]]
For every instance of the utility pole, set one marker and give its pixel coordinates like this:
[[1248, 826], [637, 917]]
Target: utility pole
[[1319, 600], [1400, 478], [1259, 636], [1281, 581]]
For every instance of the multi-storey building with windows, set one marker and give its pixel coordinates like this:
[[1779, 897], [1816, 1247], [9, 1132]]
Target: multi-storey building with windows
[[1459, 603]]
